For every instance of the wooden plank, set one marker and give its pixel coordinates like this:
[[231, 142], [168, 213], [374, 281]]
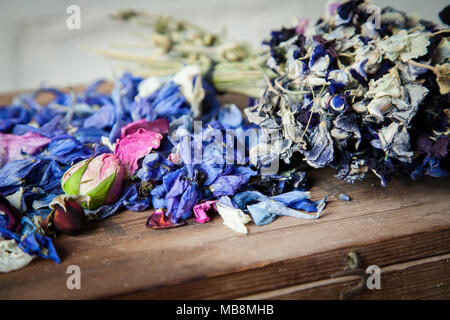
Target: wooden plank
[[427, 278], [120, 258]]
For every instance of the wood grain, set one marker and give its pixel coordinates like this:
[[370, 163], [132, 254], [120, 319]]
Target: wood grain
[[427, 278], [120, 258]]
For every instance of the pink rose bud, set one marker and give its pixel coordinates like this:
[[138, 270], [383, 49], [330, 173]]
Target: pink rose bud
[[67, 214], [99, 178]]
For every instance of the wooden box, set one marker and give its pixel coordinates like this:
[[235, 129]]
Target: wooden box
[[404, 229]]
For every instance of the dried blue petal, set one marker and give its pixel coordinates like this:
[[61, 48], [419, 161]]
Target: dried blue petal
[[338, 103], [266, 211], [154, 167], [290, 198], [178, 187], [227, 185], [322, 151], [134, 203], [346, 11], [209, 173], [241, 199], [14, 172], [187, 202], [36, 244], [90, 135], [359, 73], [105, 117], [245, 171], [230, 116], [344, 197], [10, 116], [169, 102]]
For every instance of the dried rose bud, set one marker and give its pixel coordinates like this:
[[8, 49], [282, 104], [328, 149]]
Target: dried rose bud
[[67, 214], [100, 178]]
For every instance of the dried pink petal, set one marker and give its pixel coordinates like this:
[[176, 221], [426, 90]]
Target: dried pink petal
[[13, 147], [159, 126], [134, 146], [201, 209], [174, 158]]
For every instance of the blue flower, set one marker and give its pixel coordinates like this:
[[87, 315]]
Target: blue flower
[[166, 102], [264, 210], [318, 52], [105, 117], [90, 135], [36, 244], [346, 11], [129, 199], [154, 167], [359, 73], [339, 103], [227, 185], [10, 116]]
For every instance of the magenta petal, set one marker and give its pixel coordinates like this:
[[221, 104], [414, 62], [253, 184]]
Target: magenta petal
[[332, 7], [301, 26], [158, 126], [200, 210], [13, 147], [134, 146], [174, 158]]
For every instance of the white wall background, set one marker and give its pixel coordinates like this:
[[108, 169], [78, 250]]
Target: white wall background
[[36, 46]]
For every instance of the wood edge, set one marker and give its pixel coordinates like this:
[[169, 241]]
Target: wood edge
[[345, 281], [300, 271]]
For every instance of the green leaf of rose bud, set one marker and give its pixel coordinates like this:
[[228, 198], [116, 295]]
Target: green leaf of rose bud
[[98, 194], [72, 184]]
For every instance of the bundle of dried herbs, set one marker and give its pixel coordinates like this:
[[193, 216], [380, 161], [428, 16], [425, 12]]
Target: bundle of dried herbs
[[359, 91], [230, 66]]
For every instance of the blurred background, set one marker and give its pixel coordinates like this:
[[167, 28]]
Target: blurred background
[[37, 48]]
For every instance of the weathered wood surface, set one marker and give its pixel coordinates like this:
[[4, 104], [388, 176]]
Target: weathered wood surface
[[403, 228]]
